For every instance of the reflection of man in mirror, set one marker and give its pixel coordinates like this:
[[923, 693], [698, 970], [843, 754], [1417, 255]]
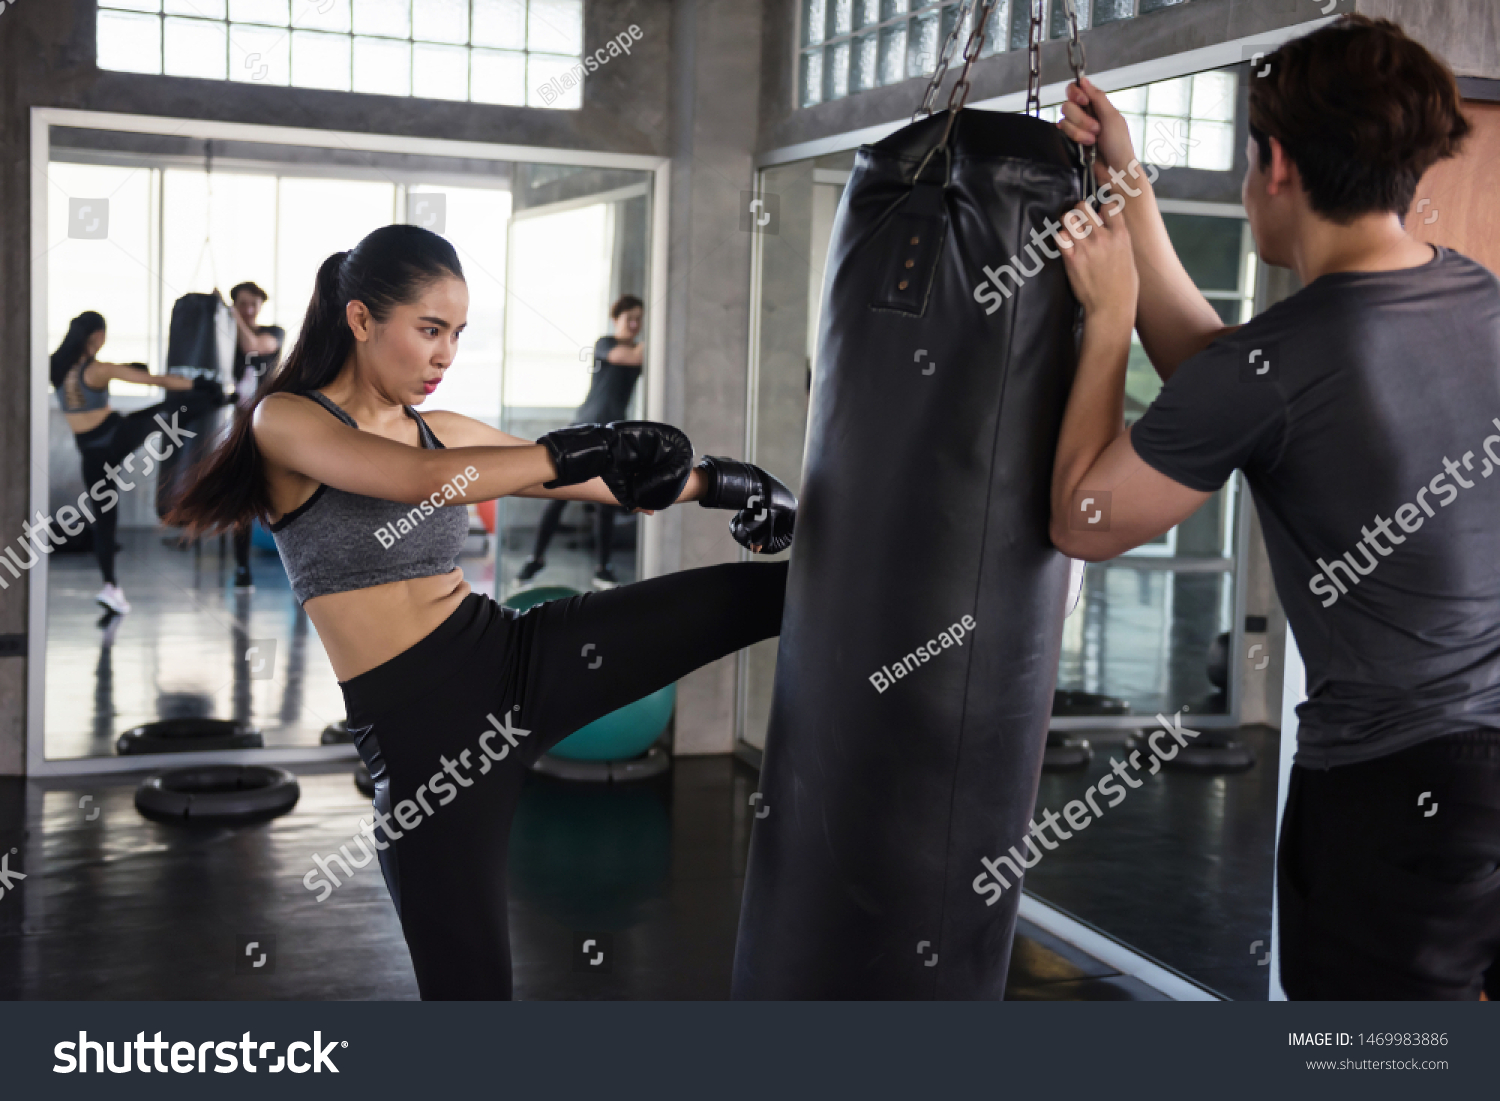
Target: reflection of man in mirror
[[258, 351], [617, 367]]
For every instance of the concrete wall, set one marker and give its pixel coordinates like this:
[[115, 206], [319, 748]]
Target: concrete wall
[[1464, 33], [716, 77]]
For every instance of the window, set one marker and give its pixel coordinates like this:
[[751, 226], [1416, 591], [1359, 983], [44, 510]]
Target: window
[[1187, 122], [523, 53], [855, 45]]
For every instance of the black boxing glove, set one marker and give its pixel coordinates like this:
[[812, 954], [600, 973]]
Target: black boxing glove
[[580, 452], [651, 465], [644, 464], [209, 391], [766, 511]]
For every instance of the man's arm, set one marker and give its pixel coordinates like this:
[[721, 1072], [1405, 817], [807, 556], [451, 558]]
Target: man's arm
[[1105, 500], [253, 342], [1173, 318], [627, 355]]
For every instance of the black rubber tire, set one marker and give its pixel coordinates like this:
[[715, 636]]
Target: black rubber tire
[[218, 794], [187, 736]]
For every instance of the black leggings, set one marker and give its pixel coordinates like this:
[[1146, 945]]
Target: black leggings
[[552, 517], [115, 437], [448, 728]]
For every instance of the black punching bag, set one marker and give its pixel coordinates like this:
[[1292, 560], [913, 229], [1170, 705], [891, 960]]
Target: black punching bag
[[924, 508], [200, 343]]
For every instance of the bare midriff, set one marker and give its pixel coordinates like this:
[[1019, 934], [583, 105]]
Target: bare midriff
[[365, 628], [87, 422]]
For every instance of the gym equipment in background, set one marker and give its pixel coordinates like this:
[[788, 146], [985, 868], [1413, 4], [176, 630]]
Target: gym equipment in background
[[1067, 752], [946, 352], [1213, 750], [618, 746], [187, 735], [200, 344], [591, 856], [218, 794]]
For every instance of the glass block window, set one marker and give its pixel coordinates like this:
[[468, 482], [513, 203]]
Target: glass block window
[[854, 45], [1183, 123], [522, 53]]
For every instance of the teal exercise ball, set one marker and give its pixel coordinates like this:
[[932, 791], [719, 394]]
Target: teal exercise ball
[[621, 735]]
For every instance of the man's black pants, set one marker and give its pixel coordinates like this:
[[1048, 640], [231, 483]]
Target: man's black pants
[[1388, 875]]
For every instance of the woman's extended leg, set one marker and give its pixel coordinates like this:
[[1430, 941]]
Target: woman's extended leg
[[494, 691], [583, 657]]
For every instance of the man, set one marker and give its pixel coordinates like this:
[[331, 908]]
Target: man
[[1359, 410], [617, 367], [259, 353]]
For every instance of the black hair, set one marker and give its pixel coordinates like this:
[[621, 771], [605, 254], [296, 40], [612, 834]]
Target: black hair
[[70, 351], [1362, 110], [252, 288], [391, 266], [623, 303]]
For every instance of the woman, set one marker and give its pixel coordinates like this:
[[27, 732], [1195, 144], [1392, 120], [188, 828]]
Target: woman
[[352, 482], [102, 435]]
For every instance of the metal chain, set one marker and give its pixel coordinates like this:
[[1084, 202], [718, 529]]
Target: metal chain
[[960, 93], [929, 98], [1034, 60], [1078, 59]]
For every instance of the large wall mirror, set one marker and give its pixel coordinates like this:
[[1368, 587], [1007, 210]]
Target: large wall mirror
[[139, 216]]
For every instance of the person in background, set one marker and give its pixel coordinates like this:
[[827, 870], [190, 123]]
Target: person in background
[[259, 348], [617, 367], [105, 437]]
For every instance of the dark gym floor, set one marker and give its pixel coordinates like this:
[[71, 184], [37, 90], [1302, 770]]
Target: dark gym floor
[[117, 907]]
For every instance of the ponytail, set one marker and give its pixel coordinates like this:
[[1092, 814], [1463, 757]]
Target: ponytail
[[392, 265], [70, 351]]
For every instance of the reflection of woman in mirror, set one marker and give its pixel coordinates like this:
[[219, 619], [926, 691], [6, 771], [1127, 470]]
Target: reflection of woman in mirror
[[450, 696], [105, 437]]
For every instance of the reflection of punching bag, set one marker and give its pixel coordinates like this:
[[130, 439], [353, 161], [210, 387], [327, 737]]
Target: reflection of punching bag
[[903, 747], [200, 342]]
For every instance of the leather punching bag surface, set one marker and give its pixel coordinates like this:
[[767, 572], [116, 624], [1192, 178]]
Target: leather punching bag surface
[[925, 500], [201, 341]]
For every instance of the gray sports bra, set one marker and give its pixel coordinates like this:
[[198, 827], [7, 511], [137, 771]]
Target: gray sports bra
[[77, 396], [336, 541]]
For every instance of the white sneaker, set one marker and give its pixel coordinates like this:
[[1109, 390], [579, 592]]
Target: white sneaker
[[113, 599]]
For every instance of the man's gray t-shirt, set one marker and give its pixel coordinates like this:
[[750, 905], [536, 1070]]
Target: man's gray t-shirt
[[1365, 413]]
